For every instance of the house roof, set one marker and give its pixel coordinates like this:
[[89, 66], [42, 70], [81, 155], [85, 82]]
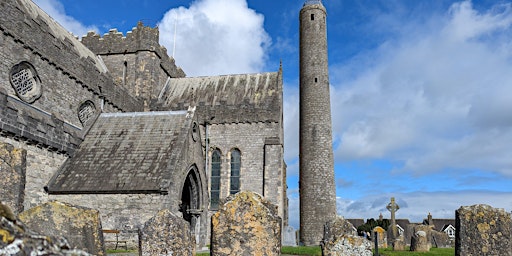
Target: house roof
[[230, 98], [356, 222], [439, 224], [126, 153]]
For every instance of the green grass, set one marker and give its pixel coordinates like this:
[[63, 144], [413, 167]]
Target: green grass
[[119, 251], [432, 252], [317, 251], [301, 250]]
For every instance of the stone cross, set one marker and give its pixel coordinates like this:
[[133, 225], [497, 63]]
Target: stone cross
[[393, 207]]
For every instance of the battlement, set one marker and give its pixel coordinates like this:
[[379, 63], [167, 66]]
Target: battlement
[[141, 38]]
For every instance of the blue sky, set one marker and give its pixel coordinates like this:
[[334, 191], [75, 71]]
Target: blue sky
[[421, 91]]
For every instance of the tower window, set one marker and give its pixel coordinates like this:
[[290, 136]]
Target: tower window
[[312, 16], [316, 80], [215, 180], [235, 172]]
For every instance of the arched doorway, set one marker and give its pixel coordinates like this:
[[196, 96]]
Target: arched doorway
[[191, 201]]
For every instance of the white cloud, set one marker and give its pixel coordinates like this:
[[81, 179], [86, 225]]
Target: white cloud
[[55, 9], [215, 37], [291, 122], [434, 98]]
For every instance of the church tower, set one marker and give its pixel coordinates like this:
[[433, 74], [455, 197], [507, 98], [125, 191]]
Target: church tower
[[316, 185]]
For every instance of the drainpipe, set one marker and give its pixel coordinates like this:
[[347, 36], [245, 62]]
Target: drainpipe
[[206, 147]]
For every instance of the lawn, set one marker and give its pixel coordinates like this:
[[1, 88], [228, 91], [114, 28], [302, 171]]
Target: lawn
[[432, 252], [316, 251]]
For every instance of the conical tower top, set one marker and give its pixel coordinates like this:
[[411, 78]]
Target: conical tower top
[[312, 2]]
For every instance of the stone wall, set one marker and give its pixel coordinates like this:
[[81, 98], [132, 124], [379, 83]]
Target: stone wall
[[124, 212], [249, 138], [137, 61], [68, 71], [317, 186], [41, 164], [262, 169]]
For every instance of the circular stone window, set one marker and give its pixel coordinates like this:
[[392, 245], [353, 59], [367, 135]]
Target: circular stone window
[[86, 112], [195, 131], [25, 81]]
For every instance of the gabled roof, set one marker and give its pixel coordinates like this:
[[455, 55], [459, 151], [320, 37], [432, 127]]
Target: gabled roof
[[447, 226], [439, 224], [126, 153], [230, 98]]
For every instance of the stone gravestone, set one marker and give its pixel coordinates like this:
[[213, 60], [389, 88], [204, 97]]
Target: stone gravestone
[[79, 225], [420, 240], [289, 236], [482, 230], [440, 239], [383, 237], [12, 173], [393, 208], [340, 239], [246, 224], [166, 234], [17, 239], [399, 244]]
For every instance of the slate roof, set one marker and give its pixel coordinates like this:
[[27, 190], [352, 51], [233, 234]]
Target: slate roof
[[230, 98], [126, 153], [440, 224]]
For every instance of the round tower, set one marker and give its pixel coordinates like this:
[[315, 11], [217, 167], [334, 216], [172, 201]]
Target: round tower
[[316, 185]]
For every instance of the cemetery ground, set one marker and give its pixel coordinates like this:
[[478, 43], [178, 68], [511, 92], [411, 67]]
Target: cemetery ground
[[315, 250]]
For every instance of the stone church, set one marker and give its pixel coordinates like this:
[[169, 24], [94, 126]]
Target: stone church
[[111, 123]]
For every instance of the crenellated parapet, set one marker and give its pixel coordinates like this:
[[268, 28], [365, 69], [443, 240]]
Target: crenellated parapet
[[141, 38]]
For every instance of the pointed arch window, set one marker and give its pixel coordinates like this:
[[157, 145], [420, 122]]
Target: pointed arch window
[[215, 180], [235, 172]]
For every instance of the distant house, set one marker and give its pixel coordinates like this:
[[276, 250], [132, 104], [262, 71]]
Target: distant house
[[449, 230], [443, 225], [356, 222]]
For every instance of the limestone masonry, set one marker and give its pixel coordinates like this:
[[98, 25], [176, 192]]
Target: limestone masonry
[[317, 187], [111, 123]]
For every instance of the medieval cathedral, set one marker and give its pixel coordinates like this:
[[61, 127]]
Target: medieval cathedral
[[111, 123]]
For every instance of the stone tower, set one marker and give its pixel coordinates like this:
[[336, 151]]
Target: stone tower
[[317, 186]]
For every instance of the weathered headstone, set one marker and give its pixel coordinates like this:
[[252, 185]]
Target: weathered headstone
[[79, 225], [399, 244], [393, 208], [340, 239], [382, 236], [12, 173], [289, 236], [440, 239], [246, 224], [166, 234], [482, 230], [17, 239], [420, 240]]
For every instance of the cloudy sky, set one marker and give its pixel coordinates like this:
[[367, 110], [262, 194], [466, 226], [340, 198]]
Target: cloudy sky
[[421, 91]]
